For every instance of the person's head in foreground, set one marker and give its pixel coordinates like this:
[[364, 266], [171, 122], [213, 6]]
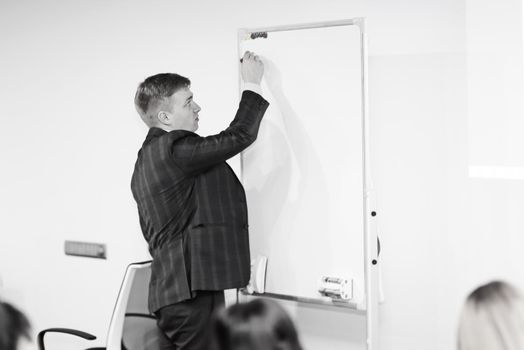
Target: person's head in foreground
[[257, 325], [492, 318], [14, 328]]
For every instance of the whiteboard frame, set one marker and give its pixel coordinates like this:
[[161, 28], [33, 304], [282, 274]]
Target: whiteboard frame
[[369, 306]]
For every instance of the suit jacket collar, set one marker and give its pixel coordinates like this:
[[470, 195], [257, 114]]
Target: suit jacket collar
[[153, 134]]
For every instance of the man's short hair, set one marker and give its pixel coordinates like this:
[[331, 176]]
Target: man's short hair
[[154, 90], [13, 326]]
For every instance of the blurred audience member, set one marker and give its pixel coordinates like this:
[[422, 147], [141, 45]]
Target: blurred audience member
[[260, 324], [492, 318], [14, 328]]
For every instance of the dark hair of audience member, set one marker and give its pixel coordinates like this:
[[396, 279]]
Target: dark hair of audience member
[[257, 325], [13, 326]]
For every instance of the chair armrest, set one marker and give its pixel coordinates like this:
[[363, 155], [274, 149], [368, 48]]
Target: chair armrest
[[40, 338]]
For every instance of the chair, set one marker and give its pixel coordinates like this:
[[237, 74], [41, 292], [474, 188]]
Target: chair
[[132, 326]]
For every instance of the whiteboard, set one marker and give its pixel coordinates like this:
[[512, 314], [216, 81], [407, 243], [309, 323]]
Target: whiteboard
[[304, 174]]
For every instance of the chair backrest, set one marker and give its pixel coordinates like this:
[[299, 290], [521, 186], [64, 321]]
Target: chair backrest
[[132, 326]]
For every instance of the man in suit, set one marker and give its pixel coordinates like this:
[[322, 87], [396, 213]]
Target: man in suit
[[191, 205]]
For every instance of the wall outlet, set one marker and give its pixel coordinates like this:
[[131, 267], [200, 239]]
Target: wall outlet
[[85, 249]]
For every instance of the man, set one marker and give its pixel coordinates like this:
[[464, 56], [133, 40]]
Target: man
[[191, 205]]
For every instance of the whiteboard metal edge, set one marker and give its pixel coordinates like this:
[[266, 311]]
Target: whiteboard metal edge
[[351, 305], [344, 22], [240, 35], [370, 234]]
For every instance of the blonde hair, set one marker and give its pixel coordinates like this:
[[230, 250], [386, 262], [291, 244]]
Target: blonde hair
[[492, 318]]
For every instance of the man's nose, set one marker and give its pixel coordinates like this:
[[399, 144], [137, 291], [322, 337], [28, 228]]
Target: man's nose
[[196, 108]]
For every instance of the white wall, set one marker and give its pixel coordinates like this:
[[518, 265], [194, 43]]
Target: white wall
[[495, 84], [70, 134]]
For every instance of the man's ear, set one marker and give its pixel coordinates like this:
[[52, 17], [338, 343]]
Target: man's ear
[[163, 117]]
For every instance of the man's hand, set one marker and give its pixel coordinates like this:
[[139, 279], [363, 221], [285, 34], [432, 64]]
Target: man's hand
[[252, 68]]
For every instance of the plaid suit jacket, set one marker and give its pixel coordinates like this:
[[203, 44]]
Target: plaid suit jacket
[[192, 207]]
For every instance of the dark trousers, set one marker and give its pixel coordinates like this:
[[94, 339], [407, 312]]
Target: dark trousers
[[187, 324]]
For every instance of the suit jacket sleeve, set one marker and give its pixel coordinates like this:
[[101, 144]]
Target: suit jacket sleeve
[[194, 153]]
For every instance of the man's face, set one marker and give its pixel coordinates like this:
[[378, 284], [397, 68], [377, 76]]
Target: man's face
[[184, 110]]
